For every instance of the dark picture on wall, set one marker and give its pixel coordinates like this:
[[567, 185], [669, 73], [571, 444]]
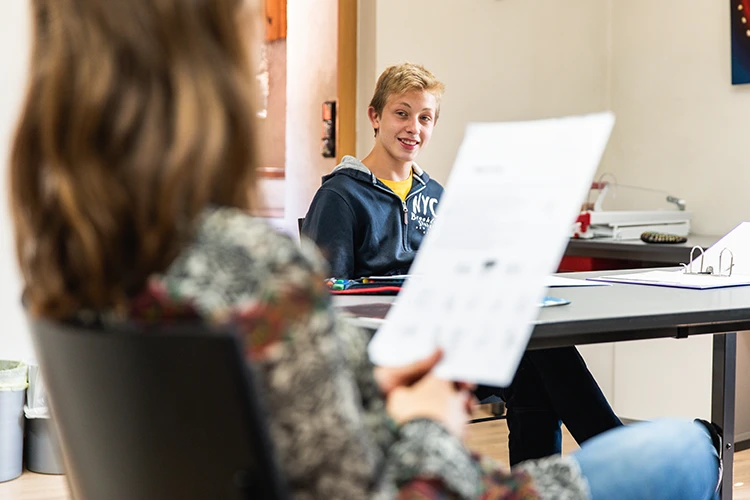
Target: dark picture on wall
[[740, 11]]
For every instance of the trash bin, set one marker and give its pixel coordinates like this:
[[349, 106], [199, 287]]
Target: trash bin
[[43, 453], [13, 375]]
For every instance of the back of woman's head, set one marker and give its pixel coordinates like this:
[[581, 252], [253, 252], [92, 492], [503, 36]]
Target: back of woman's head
[[137, 117]]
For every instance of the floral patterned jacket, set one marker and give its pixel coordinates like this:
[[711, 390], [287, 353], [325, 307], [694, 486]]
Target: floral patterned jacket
[[332, 435]]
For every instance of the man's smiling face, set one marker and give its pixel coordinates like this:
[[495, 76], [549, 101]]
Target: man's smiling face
[[406, 124]]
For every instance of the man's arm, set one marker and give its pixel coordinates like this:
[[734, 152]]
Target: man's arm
[[331, 224]]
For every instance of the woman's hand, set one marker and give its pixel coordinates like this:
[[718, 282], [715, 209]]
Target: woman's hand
[[445, 402], [390, 377]]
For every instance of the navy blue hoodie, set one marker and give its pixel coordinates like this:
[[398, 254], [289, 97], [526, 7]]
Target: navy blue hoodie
[[363, 228]]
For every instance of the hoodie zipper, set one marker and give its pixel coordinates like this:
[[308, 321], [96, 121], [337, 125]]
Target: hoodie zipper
[[403, 202], [404, 208]]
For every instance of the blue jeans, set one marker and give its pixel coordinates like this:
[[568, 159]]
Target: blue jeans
[[552, 386], [669, 458]]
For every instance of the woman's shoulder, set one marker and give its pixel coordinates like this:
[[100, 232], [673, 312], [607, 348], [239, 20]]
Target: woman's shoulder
[[234, 231], [235, 257]]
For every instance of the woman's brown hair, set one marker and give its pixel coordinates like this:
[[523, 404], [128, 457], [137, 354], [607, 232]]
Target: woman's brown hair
[[137, 117]]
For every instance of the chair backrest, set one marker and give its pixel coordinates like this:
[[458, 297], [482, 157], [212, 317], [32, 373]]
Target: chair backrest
[[156, 413]]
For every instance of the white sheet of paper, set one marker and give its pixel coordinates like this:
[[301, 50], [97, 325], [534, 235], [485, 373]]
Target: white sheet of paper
[[562, 282], [737, 241], [501, 229], [678, 279]]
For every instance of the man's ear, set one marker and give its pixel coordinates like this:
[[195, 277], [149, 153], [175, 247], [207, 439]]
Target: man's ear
[[374, 119]]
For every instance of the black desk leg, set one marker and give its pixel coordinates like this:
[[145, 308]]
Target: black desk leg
[[722, 401]]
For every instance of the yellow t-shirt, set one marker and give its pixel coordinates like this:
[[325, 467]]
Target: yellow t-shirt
[[401, 188]]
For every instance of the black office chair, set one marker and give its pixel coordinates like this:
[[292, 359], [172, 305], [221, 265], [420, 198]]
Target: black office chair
[[156, 413]]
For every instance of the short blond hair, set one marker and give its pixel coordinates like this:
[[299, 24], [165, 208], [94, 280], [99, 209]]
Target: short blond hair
[[403, 78]]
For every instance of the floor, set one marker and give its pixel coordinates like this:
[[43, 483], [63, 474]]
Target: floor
[[491, 438], [486, 437]]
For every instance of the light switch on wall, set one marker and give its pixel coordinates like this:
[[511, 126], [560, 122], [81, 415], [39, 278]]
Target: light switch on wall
[[328, 140]]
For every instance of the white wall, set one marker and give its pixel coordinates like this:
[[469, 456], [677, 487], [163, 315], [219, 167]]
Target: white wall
[[681, 125], [367, 71], [270, 192], [664, 378], [311, 80], [14, 46], [499, 60], [272, 133], [742, 413], [665, 72]]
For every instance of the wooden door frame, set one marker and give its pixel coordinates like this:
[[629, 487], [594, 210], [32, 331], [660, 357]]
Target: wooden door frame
[[346, 112]]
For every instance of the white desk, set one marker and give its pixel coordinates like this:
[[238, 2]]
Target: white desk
[[631, 312]]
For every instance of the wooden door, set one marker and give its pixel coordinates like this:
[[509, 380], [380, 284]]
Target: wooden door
[[347, 79], [275, 20]]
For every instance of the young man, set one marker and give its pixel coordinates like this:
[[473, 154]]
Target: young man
[[369, 218]]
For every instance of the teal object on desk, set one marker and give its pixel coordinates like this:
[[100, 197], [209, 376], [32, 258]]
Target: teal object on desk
[[553, 301]]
